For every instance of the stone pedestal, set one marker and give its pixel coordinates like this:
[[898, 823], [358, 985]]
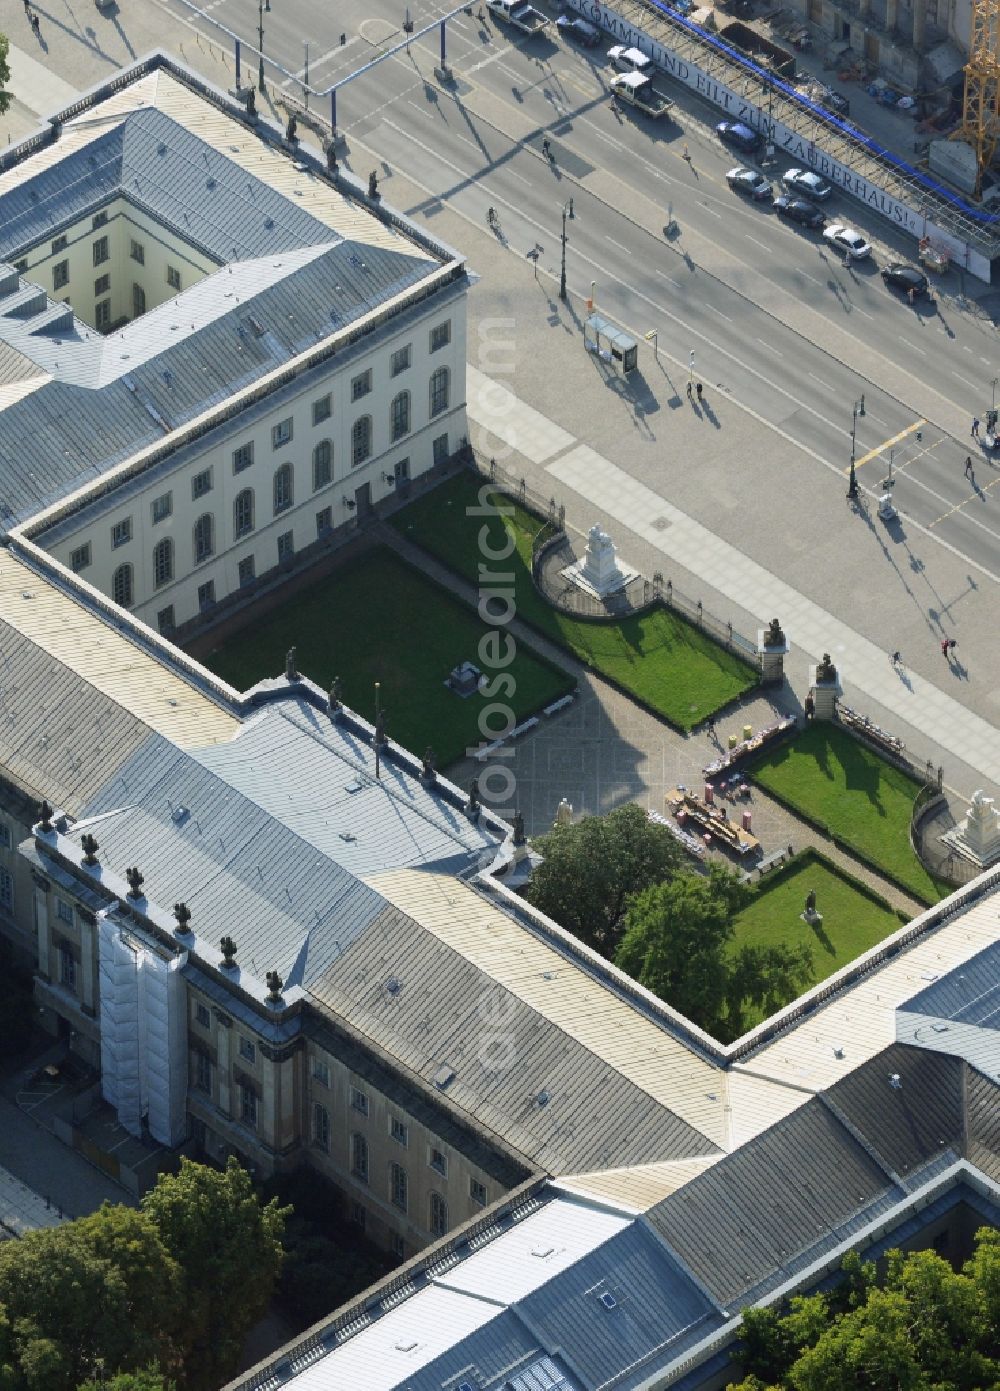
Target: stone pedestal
[[811, 917], [599, 572], [825, 688], [772, 656], [977, 835]]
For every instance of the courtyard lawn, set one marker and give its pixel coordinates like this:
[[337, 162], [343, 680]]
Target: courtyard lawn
[[853, 922], [861, 800], [658, 657], [378, 619]]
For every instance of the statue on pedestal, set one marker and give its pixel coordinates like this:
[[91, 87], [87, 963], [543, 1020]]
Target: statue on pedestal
[[335, 694], [564, 814], [774, 637], [825, 670]]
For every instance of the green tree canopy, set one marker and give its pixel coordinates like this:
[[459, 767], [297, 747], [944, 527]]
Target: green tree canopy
[[228, 1247], [148, 1379], [5, 96], [591, 868]]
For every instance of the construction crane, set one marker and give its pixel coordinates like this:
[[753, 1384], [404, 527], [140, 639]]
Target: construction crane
[[980, 126]]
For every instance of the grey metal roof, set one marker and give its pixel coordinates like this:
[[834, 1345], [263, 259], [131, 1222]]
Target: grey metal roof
[[968, 995]]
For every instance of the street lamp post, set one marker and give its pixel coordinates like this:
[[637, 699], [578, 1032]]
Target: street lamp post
[[260, 45], [993, 403], [567, 211], [852, 486]]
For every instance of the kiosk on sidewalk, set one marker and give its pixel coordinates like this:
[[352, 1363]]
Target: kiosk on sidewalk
[[612, 346]]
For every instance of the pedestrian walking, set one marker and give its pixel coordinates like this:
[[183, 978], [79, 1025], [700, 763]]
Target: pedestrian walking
[[36, 23], [896, 658], [810, 708], [711, 729], [689, 391], [945, 648], [697, 392], [968, 465], [686, 154], [975, 427]]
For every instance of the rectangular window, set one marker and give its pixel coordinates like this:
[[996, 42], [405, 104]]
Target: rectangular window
[[101, 252], [58, 245], [399, 1132], [64, 910], [202, 1015], [359, 1101], [246, 570], [439, 1161], [4, 836], [202, 1072], [242, 457], [359, 1158], [6, 889], [398, 1246], [321, 1072], [281, 433], [440, 336], [102, 314], [100, 219], [137, 251], [322, 465], [80, 558], [206, 595], [286, 547], [400, 360], [477, 1192], [102, 285], [324, 521], [321, 1127], [121, 533], [322, 409], [162, 507], [173, 277], [248, 1107], [248, 1049], [21, 266], [440, 448], [165, 619], [361, 385], [358, 1215], [60, 275], [201, 483], [67, 968], [398, 1187]]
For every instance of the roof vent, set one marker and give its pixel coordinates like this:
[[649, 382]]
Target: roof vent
[[838, 1050], [444, 1076], [161, 149], [349, 836], [179, 815], [542, 1252], [353, 787], [895, 1081], [394, 985], [269, 223], [542, 1099], [608, 1300], [257, 326], [210, 183], [406, 1347]]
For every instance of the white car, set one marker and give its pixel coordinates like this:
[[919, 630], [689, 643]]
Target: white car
[[806, 184], [851, 244], [629, 59]]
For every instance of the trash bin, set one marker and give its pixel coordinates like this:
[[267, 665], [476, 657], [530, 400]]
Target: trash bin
[[747, 732], [732, 741], [746, 820], [709, 794]]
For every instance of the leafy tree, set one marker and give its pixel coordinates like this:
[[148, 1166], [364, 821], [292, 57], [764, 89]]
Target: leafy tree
[[228, 1246], [5, 96], [148, 1379], [590, 870]]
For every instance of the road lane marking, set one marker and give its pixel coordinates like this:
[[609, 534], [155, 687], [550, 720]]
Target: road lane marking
[[773, 351], [964, 379], [886, 444]]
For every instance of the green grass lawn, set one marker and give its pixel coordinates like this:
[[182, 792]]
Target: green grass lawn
[[862, 800], [666, 662], [378, 619], [852, 921]]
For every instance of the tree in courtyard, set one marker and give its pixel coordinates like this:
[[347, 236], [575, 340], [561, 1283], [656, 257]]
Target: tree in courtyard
[[228, 1247], [149, 1379], [5, 96], [677, 944], [590, 870]]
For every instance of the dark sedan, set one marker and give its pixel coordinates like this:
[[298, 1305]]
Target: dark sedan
[[737, 134], [798, 210], [905, 278]]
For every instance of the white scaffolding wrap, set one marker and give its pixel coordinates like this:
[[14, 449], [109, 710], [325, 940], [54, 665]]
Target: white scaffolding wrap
[[143, 1036]]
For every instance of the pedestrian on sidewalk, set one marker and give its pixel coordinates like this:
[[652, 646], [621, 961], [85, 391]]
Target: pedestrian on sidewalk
[[689, 391], [810, 708], [968, 466], [697, 392], [895, 659], [36, 23], [945, 648], [952, 644], [686, 154], [710, 726], [975, 427]]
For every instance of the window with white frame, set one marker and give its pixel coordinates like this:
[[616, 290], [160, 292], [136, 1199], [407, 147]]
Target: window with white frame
[[6, 889], [102, 252], [286, 547], [361, 384], [102, 285], [400, 416], [359, 1101], [282, 489], [440, 451], [477, 1192], [173, 277], [281, 433], [99, 220], [322, 465], [162, 507], [324, 521], [59, 244], [399, 361], [361, 440], [248, 1107], [321, 1126], [248, 1049], [440, 336], [202, 1071], [439, 1162], [243, 457], [399, 1132], [102, 314], [201, 483], [121, 533], [243, 514], [137, 252], [122, 588], [440, 390], [398, 1187], [359, 1157], [439, 1215], [80, 558], [60, 275], [204, 538], [321, 1072], [163, 562], [246, 571], [322, 409], [206, 595]]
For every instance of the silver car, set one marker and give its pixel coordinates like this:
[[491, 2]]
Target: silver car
[[805, 184]]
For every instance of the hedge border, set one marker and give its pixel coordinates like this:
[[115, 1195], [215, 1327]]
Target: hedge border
[[794, 862]]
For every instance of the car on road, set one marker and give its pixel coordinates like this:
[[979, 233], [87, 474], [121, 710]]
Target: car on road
[[741, 136], [799, 210], [629, 59], [899, 276], [807, 184], [579, 30], [750, 182], [846, 240]]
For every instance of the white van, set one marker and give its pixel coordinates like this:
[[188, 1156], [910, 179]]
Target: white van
[[629, 59]]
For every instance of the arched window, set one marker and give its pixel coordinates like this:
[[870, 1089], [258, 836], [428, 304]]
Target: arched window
[[440, 390], [163, 562], [400, 416], [121, 586], [361, 440], [359, 1157], [439, 1215], [322, 465], [243, 513], [283, 489], [204, 538]]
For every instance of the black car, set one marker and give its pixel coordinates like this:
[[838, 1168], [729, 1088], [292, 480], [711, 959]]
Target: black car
[[580, 30], [798, 210], [741, 136], [905, 278]]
